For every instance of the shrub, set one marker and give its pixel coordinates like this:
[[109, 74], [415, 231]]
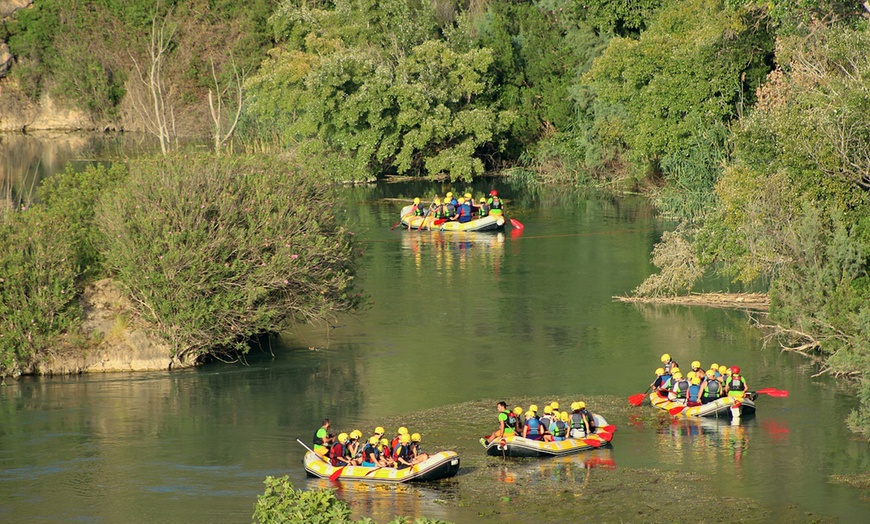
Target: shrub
[[216, 250]]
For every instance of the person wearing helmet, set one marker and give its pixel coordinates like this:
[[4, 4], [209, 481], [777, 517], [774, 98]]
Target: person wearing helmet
[[416, 453], [668, 364], [711, 389], [696, 367], [464, 212], [735, 385], [657, 383], [337, 452], [532, 427], [371, 455], [321, 438], [518, 414], [496, 206], [402, 454], [353, 448], [693, 395], [680, 387], [507, 423], [386, 453], [546, 420], [450, 198], [395, 442], [559, 427], [579, 420]]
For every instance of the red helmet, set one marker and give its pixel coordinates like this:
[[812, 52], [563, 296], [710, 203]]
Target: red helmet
[[735, 370], [493, 193]]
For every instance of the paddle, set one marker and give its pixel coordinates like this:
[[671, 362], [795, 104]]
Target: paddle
[[610, 428], [324, 459], [605, 436], [336, 474], [592, 442], [773, 392], [395, 225], [637, 399], [372, 471], [517, 224]]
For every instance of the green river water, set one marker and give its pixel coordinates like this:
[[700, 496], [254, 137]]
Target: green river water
[[455, 323]]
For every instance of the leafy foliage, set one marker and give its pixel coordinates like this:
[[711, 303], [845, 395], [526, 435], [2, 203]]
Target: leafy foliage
[[282, 504], [217, 250]]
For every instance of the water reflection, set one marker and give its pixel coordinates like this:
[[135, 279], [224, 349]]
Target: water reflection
[[452, 251]]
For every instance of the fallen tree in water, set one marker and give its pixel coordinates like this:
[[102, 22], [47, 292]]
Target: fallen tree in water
[[753, 301]]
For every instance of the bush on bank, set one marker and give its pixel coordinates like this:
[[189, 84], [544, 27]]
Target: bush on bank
[[282, 504], [216, 250]]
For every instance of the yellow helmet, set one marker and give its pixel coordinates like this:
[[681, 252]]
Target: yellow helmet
[[666, 357], [461, 200], [416, 437], [534, 408], [678, 375], [482, 200], [711, 373], [696, 380], [380, 430], [437, 201], [660, 371], [564, 416], [690, 375], [530, 414], [449, 194], [385, 442], [695, 364], [554, 405], [342, 437], [356, 433], [405, 438], [556, 414], [373, 441], [581, 405], [548, 410], [575, 406], [722, 369], [714, 366], [467, 196], [416, 200], [518, 410], [675, 370], [403, 430]]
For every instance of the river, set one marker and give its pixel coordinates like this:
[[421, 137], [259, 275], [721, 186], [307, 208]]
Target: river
[[454, 323]]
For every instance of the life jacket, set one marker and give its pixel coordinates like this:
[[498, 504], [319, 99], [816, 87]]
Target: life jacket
[[404, 452], [681, 387], [418, 210], [591, 418], [368, 450], [317, 440], [534, 427], [560, 429], [667, 366], [387, 452], [394, 443], [494, 203], [735, 383], [545, 421], [711, 390], [577, 421], [335, 452], [464, 213], [511, 423], [483, 210]]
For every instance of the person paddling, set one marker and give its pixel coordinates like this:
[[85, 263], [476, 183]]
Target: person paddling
[[506, 424], [321, 438]]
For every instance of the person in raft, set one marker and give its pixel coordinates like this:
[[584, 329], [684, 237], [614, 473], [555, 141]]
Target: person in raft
[[338, 453], [417, 454], [483, 208], [496, 206], [321, 438], [402, 456], [419, 210], [735, 385], [506, 424]]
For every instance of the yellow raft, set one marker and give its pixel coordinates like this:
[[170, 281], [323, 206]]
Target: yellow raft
[[516, 446], [438, 466], [725, 407], [493, 222]]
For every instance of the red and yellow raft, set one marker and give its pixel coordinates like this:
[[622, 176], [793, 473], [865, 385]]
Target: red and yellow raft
[[438, 466], [725, 407], [495, 221], [516, 446]]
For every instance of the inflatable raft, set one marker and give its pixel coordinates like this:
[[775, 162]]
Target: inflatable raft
[[516, 446], [438, 466], [493, 222], [725, 407]]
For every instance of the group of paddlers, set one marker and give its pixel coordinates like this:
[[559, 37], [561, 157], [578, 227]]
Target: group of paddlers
[[349, 449], [698, 386], [552, 425], [460, 209]]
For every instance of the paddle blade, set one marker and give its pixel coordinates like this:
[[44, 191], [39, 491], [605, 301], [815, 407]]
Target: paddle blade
[[610, 428], [606, 436], [336, 474], [636, 400], [677, 410], [764, 391], [395, 225], [517, 224], [595, 443], [779, 393], [439, 221]]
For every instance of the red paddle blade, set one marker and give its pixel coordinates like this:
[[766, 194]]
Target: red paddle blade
[[779, 393], [610, 428], [606, 436], [764, 391], [677, 410], [336, 474], [439, 221], [636, 400], [595, 443], [517, 224]]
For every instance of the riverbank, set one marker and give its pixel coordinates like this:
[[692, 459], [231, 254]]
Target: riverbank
[[751, 301]]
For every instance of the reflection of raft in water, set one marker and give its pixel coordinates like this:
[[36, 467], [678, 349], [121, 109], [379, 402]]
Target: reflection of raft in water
[[723, 407], [438, 466], [515, 446], [493, 222]]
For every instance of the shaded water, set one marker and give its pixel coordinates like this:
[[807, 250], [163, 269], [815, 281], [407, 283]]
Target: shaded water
[[456, 322]]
